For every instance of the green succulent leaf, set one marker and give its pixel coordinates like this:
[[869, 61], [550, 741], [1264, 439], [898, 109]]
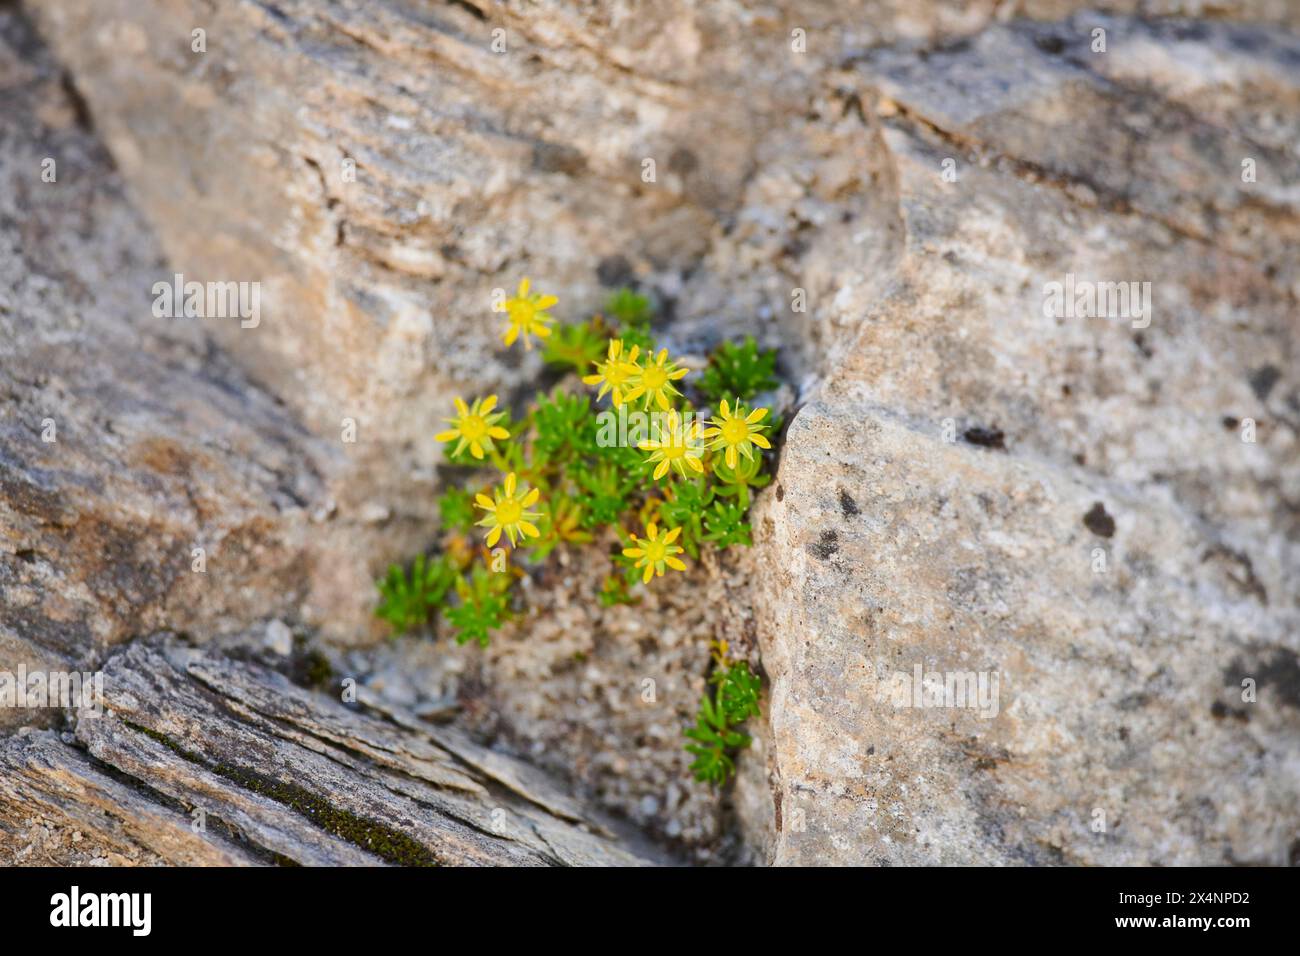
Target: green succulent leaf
[[739, 370], [407, 599], [484, 605], [737, 482], [715, 736], [725, 525], [577, 345], [738, 690], [456, 507]]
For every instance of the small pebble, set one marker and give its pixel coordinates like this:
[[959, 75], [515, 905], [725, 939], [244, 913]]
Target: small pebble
[[279, 639]]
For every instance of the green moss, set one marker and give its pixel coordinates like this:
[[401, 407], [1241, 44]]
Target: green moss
[[383, 841], [316, 669]]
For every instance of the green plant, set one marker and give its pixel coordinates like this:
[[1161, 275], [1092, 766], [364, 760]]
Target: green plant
[[483, 607], [738, 370], [604, 494], [561, 525], [632, 312], [736, 693], [629, 307], [714, 738], [575, 470], [406, 600], [739, 689], [564, 428], [614, 590], [684, 506], [736, 482], [578, 345], [726, 525], [456, 508]]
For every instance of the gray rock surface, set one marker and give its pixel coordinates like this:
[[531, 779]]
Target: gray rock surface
[[199, 760], [1063, 505], [125, 442]]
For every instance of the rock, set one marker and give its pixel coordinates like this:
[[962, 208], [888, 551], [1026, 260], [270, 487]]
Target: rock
[[200, 761], [379, 203], [133, 450], [143, 480], [279, 639], [1119, 567]]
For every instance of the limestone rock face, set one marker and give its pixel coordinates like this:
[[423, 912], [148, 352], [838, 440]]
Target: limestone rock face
[[1073, 510], [125, 444]]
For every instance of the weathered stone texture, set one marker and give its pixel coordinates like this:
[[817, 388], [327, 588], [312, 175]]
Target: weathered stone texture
[[946, 498]]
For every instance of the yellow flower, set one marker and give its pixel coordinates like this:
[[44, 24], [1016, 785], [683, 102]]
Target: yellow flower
[[509, 512], [655, 381], [613, 374], [476, 427], [653, 552], [526, 314], [677, 446], [736, 431]]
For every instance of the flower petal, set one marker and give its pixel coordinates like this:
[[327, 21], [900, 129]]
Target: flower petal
[[461, 407], [660, 472], [671, 536], [633, 553], [499, 433], [447, 435], [757, 415], [488, 404], [675, 563], [476, 449], [760, 441], [649, 573], [731, 456], [531, 497], [511, 481], [483, 501], [696, 464], [530, 529], [494, 536]]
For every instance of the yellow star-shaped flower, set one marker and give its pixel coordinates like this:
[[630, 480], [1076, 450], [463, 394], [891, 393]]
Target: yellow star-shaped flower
[[736, 431], [475, 426], [526, 315], [508, 511], [654, 552]]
